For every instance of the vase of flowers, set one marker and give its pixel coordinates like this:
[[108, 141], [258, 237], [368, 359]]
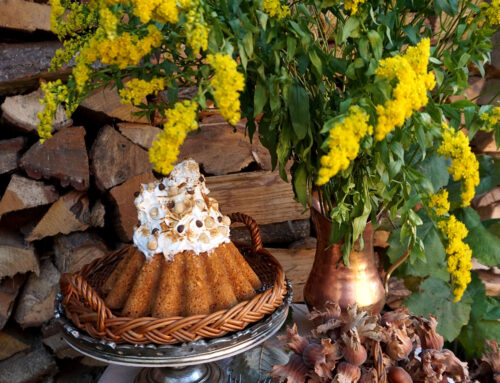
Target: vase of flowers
[[331, 280], [364, 97]]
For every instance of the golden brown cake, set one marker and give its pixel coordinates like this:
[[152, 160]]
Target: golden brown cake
[[182, 262]]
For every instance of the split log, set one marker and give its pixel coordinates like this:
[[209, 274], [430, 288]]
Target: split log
[[262, 195], [97, 214], [24, 15], [68, 214], [114, 159], [28, 367], [64, 157], [23, 193], [10, 152], [140, 134], [21, 111], [15, 255], [9, 288], [297, 265], [484, 142], [306, 243], [274, 233], [24, 65], [492, 282], [125, 212], [107, 102], [52, 338], [36, 302], [13, 341], [75, 250], [216, 136]]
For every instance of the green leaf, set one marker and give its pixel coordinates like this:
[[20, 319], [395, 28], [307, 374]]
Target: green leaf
[[376, 43], [316, 61], [298, 106], [479, 327], [435, 297], [260, 98], [435, 169], [411, 33], [485, 246], [300, 175], [350, 26], [489, 171], [291, 46]]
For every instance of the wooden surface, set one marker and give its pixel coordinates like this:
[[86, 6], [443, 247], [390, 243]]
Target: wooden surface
[[108, 102], [23, 66], [12, 342], [140, 134], [68, 214], [22, 110], [36, 302], [73, 251], [125, 212], [28, 367], [221, 149], [277, 233], [9, 288], [24, 15], [10, 153], [15, 255], [23, 193], [297, 265], [261, 195], [115, 159], [63, 157]]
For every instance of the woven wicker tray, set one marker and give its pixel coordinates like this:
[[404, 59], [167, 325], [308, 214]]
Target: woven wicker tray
[[87, 310]]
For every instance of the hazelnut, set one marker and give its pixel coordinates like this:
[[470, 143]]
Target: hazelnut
[[199, 223], [170, 204], [223, 230], [219, 218], [136, 194], [226, 220], [180, 228], [163, 226], [209, 222], [204, 238], [154, 212], [201, 179], [173, 190], [152, 244], [155, 231], [190, 191], [161, 186], [179, 208]]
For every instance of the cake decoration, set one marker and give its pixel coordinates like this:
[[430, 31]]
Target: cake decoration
[[176, 214]]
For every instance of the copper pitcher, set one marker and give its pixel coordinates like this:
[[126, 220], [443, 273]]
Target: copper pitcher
[[331, 280]]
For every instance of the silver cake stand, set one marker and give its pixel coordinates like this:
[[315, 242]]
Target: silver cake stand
[[183, 363]]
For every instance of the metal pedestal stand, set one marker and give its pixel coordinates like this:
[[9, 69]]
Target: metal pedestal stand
[[184, 363]]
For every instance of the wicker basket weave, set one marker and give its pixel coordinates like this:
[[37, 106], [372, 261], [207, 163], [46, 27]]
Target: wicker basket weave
[[88, 311]]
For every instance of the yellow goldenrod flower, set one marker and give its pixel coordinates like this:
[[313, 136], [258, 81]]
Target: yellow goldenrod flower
[[459, 255], [227, 82], [55, 93], [56, 12], [410, 93], [108, 21], [440, 202], [135, 90], [275, 9], [491, 11], [180, 121], [464, 165], [343, 143], [124, 49], [352, 5], [196, 31], [491, 119]]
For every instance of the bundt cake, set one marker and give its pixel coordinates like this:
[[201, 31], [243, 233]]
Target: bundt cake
[[182, 262]]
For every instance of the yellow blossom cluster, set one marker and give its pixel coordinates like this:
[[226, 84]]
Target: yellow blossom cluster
[[343, 143], [275, 9], [108, 21], [352, 5], [196, 31], [55, 93], [459, 255], [180, 121], [122, 50], [70, 20], [227, 82], [410, 93], [464, 165], [135, 90], [164, 11], [491, 119], [491, 11], [440, 202]]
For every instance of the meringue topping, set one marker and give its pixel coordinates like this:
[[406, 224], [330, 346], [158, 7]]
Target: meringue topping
[[175, 214]]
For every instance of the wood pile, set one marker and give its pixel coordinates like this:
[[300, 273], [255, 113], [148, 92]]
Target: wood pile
[[70, 201]]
